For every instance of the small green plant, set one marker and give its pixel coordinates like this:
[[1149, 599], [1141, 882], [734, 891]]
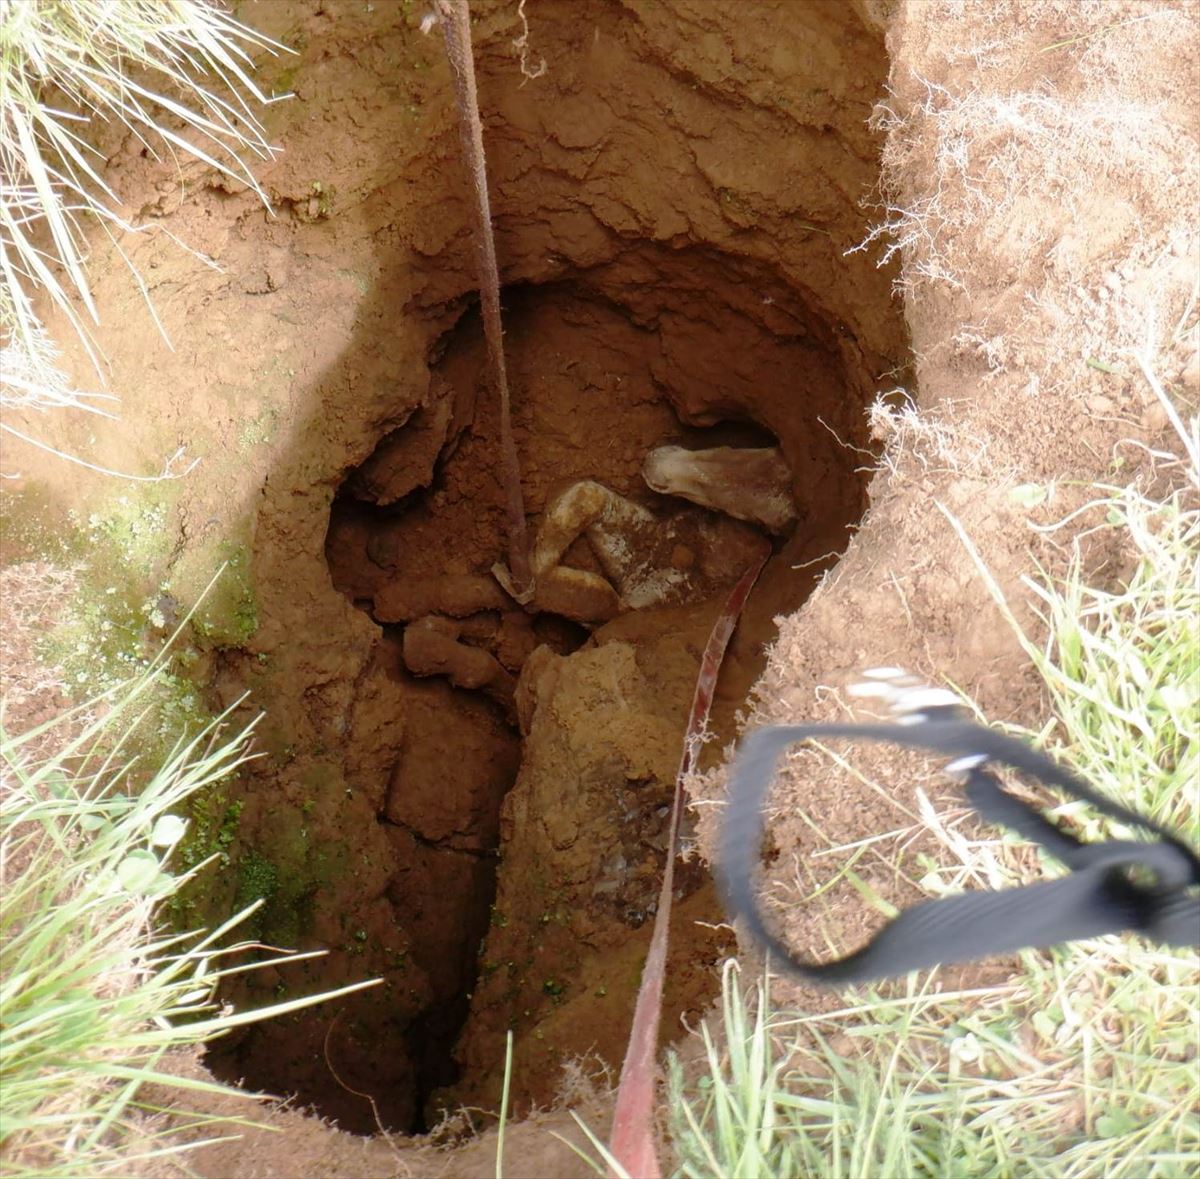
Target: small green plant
[[258, 880]]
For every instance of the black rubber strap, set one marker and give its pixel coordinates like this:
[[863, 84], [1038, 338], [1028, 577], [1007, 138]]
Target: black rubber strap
[[1097, 897]]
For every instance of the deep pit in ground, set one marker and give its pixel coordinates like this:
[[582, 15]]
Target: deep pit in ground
[[596, 385], [488, 841], [735, 134]]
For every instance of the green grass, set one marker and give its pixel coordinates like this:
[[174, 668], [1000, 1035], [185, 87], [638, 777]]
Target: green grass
[[779, 1099], [1084, 1063], [94, 992], [178, 74], [1123, 665]]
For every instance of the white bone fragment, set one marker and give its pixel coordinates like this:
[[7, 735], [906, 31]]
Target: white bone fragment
[[747, 483]]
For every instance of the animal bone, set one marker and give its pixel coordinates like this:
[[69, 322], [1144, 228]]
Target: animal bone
[[650, 560], [748, 483], [647, 558]]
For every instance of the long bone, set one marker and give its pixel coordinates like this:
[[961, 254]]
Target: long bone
[[747, 483]]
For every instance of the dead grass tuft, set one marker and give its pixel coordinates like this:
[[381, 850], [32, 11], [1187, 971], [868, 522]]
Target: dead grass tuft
[[932, 441], [982, 184]]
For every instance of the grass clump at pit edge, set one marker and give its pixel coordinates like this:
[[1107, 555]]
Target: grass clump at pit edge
[[94, 993], [177, 73]]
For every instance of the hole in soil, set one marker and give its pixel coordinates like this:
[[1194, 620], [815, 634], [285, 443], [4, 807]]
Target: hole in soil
[[524, 778], [598, 384]]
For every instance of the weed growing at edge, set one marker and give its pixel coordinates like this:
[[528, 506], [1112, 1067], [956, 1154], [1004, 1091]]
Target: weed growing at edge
[[102, 60]]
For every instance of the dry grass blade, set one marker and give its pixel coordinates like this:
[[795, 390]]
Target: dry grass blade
[[136, 62]]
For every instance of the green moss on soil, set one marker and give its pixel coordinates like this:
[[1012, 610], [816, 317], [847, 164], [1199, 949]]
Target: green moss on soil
[[228, 614], [133, 595], [288, 874]]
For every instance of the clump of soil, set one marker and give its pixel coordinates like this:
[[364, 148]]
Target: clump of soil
[[676, 204]]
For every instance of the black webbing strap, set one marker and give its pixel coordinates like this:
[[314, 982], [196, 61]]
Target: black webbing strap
[[1098, 895]]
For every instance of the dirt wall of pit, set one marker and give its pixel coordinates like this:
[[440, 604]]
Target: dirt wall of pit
[[674, 199]]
